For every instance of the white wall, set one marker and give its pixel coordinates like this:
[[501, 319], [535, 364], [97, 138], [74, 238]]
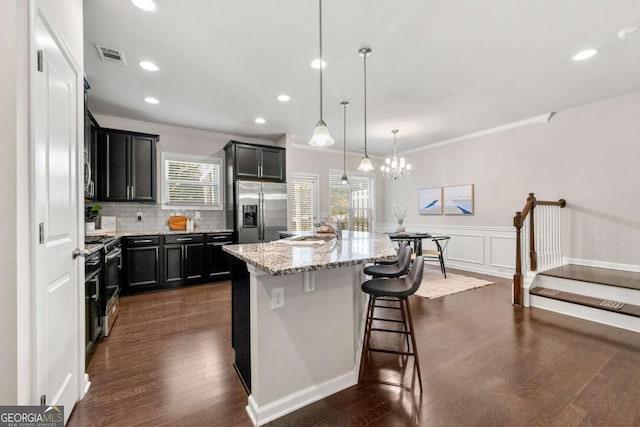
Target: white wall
[[318, 161], [587, 155]]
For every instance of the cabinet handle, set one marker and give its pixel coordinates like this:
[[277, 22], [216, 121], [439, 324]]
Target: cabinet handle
[[143, 241], [133, 192], [184, 239]]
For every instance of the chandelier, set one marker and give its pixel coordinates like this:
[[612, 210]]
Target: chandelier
[[395, 168]]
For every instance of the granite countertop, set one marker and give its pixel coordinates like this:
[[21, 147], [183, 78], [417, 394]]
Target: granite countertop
[[291, 255], [93, 248]]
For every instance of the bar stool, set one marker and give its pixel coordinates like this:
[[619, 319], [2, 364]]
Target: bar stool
[[397, 269], [403, 245], [397, 289]]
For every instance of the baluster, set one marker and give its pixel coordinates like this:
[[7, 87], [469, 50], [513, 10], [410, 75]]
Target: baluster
[[558, 254]]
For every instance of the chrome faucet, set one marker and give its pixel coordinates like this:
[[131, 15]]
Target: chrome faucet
[[336, 230]]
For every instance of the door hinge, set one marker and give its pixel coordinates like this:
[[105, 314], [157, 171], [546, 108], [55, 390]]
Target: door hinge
[[43, 400], [41, 232], [40, 60]]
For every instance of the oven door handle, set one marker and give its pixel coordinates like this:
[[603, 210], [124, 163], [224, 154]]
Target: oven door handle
[[97, 294], [113, 255]]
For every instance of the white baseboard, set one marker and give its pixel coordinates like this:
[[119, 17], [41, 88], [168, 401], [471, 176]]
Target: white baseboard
[[264, 414], [602, 264], [87, 385], [478, 269]]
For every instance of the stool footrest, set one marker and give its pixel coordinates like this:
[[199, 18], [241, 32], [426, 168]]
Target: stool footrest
[[387, 320], [386, 306], [381, 350], [391, 330]]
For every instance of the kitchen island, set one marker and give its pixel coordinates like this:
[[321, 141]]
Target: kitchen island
[[298, 317]]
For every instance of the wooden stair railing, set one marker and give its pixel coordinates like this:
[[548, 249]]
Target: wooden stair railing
[[518, 223]]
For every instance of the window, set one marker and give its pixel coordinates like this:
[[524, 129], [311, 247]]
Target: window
[[191, 182], [352, 203], [303, 202]]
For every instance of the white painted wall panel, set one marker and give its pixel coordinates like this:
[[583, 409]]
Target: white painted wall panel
[[502, 251]]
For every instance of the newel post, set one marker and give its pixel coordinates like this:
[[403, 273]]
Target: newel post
[[517, 277], [533, 256]]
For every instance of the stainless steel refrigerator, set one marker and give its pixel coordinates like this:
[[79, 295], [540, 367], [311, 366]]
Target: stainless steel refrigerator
[[261, 210]]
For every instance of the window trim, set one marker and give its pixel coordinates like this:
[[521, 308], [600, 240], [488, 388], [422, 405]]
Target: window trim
[[164, 156], [372, 196], [302, 176]]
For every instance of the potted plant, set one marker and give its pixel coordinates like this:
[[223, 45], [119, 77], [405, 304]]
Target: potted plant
[[91, 215], [400, 212]]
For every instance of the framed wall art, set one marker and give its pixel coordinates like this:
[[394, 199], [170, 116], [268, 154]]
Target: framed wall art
[[458, 200], [430, 201]]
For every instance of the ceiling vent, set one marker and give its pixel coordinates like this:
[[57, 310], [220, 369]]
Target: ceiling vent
[[110, 54]]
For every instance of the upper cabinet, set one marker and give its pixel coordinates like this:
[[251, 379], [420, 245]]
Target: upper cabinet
[[255, 162], [127, 166]]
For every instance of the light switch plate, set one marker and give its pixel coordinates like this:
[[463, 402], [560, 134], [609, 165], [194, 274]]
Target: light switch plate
[[277, 298]]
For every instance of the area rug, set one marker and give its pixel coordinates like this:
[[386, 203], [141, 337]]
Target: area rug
[[434, 285]]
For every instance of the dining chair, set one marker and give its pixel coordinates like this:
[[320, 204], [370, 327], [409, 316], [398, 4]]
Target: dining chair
[[438, 253]]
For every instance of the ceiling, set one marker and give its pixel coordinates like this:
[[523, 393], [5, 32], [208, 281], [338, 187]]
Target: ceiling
[[439, 69]]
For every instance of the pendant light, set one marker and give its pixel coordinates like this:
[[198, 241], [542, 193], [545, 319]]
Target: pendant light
[[395, 168], [321, 136], [344, 179], [365, 162]]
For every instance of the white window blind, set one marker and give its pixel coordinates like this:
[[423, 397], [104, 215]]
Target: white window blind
[[192, 182], [302, 203], [351, 203]]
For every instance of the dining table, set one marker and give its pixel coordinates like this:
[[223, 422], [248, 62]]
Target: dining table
[[414, 239]]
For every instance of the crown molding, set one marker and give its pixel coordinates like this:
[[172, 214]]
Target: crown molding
[[542, 118]]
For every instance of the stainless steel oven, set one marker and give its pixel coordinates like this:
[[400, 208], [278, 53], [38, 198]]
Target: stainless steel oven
[[93, 284], [110, 300]]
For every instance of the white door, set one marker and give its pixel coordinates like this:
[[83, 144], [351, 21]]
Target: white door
[[56, 190]]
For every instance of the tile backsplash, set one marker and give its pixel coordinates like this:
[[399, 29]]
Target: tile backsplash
[[154, 218]]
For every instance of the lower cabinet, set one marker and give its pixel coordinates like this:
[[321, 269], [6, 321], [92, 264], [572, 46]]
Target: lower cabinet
[[183, 259], [143, 262], [157, 262], [218, 261]]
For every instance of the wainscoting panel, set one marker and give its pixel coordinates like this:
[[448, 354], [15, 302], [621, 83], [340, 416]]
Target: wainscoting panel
[[502, 252], [489, 250], [465, 248]]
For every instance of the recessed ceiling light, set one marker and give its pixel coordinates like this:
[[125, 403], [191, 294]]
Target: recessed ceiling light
[[316, 64], [151, 100], [148, 5], [260, 120], [149, 66], [628, 32], [284, 98], [585, 54]]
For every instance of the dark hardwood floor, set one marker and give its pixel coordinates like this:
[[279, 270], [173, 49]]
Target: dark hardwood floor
[[484, 363]]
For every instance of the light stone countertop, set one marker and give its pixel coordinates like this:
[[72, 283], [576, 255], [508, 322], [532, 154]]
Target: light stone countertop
[[287, 256]]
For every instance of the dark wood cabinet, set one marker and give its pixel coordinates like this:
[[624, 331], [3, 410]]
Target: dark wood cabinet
[[255, 162], [174, 260], [127, 166], [218, 261], [143, 261], [90, 155], [183, 258]]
